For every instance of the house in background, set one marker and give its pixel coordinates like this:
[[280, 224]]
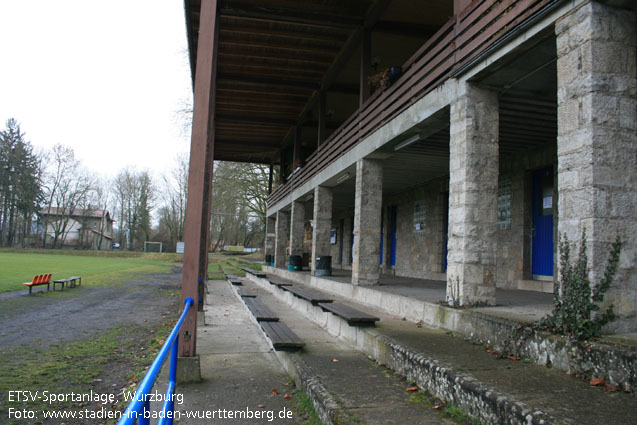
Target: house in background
[[83, 228]]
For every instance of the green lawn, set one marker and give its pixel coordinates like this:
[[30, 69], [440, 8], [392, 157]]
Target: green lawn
[[19, 267]]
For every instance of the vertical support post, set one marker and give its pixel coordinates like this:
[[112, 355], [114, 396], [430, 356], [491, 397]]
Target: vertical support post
[[297, 146], [200, 172], [368, 204], [270, 177], [473, 189], [322, 126], [297, 228], [366, 60], [322, 224], [282, 167], [281, 238], [597, 143], [270, 227]]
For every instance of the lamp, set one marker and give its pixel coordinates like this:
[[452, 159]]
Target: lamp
[[407, 142]]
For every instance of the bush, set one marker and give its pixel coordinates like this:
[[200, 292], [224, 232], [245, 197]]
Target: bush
[[575, 302]]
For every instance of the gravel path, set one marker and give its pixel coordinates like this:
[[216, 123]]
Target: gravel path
[[80, 312]]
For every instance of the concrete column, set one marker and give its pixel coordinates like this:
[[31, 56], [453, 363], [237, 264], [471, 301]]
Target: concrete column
[[281, 238], [368, 204], [597, 143], [322, 224], [297, 228], [270, 226], [473, 190]]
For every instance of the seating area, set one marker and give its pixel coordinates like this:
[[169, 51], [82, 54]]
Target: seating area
[[40, 279], [45, 279], [280, 335]]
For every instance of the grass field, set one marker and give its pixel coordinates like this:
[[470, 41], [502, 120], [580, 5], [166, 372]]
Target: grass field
[[18, 267]]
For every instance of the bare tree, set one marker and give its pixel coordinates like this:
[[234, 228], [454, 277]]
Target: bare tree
[[67, 189], [134, 195], [172, 214]]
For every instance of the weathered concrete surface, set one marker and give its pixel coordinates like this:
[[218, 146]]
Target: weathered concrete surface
[[501, 327], [270, 227], [297, 228], [597, 143], [367, 215], [346, 387], [490, 387], [473, 188], [281, 242], [238, 369], [322, 224]]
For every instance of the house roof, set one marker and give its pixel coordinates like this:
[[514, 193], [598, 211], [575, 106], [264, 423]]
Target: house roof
[[77, 212]]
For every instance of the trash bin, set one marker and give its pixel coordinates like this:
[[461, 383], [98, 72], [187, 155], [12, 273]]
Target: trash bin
[[323, 266], [295, 263]]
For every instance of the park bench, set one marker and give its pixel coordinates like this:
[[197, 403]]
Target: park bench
[[260, 311], [256, 273], [307, 295], [281, 336], [70, 282], [354, 317], [243, 293], [40, 279], [279, 282]]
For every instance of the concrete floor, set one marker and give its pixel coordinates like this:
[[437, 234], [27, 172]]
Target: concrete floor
[[514, 304]]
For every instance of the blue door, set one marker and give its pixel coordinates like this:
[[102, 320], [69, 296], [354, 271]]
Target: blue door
[[341, 242], [394, 210], [382, 235], [542, 241]]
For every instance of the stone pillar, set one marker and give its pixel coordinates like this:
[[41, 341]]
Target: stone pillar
[[297, 228], [597, 143], [281, 239], [322, 224], [368, 204], [270, 226], [473, 190]]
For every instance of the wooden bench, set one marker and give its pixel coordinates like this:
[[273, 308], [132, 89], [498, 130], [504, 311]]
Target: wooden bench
[[260, 311], [69, 282], [278, 282], [245, 293], [354, 317], [281, 336], [307, 295], [256, 273], [40, 279], [235, 282]]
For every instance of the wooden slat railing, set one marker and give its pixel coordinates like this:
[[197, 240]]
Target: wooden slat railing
[[455, 44]]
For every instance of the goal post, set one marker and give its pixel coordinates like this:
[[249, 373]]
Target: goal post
[[153, 247]]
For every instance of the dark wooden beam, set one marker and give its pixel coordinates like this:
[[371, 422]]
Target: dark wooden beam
[[299, 33], [297, 146], [291, 45], [302, 15], [366, 60], [199, 175], [254, 119], [267, 81], [322, 107], [406, 29]]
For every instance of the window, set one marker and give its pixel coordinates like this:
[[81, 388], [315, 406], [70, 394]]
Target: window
[[420, 213], [504, 203]]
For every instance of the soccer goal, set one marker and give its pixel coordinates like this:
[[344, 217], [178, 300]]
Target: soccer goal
[[153, 247]]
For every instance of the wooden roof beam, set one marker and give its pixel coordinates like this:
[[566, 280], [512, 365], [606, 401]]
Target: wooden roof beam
[[240, 9]]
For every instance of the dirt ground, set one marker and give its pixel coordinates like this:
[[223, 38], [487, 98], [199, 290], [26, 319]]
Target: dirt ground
[[84, 311]]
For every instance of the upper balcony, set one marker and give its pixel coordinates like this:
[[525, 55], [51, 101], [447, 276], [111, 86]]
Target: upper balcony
[[293, 78]]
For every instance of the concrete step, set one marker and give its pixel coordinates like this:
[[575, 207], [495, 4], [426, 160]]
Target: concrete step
[[346, 387], [487, 385]]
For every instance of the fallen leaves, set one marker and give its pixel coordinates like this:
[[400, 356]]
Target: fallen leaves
[[286, 396], [335, 360], [597, 382], [514, 358], [275, 392], [414, 388]]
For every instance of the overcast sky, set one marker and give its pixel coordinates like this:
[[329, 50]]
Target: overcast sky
[[104, 77]]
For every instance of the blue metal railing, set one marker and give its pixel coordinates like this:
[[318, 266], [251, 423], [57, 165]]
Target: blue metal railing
[[139, 407]]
